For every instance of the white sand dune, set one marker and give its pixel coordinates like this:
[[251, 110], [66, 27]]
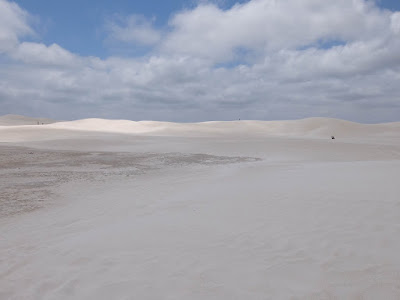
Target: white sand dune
[[305, 127], [311, 127], [15, 120], [115, 209]]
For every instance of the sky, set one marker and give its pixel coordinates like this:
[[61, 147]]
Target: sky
[[199, 60]]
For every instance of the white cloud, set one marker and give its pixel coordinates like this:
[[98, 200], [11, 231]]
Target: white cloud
[[13, 25], [395, 22], [40, 54], [263, 59], [134, 29], [270, 25]]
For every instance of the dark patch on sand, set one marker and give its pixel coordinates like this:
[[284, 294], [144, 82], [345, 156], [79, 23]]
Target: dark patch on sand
[[29, 177]]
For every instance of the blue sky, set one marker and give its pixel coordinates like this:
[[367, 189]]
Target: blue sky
[[79, 25], [189, 60], [390, 4]]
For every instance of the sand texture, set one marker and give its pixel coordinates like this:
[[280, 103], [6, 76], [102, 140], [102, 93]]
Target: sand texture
[[115, 209]]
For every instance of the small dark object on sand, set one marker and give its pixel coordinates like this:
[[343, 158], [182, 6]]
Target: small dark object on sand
[[332, 137]]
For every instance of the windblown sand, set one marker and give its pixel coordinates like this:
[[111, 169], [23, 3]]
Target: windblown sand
[[101, 209]]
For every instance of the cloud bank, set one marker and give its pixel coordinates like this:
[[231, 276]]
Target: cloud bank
[[264, 59]]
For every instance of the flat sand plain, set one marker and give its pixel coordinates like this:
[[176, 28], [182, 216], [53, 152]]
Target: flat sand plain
[[108, 209]]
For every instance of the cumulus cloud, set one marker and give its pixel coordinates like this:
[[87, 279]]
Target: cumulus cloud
[[13, 25], [263, 59], [265, 26], [134, 29], [395, 22], [40, 54]]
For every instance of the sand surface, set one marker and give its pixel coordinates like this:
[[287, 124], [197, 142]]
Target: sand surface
[[114, 209]]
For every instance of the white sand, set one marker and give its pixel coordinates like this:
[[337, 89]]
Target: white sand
[[153, 210]]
